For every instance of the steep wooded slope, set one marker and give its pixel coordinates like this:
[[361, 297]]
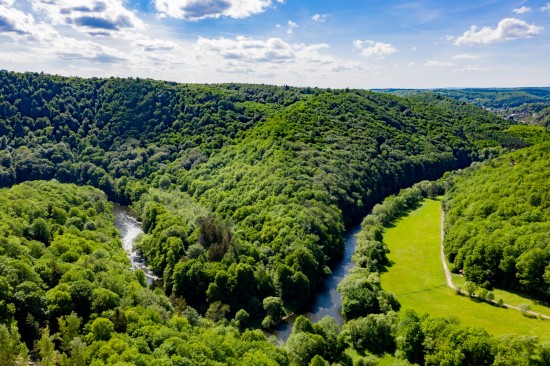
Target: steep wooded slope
[[282, 170]]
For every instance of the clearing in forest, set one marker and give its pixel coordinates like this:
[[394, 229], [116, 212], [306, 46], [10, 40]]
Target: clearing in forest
[[418, 280]]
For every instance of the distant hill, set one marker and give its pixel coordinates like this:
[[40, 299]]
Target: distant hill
[[526, 105]]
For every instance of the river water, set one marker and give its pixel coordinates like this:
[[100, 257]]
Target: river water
[[327, 300], [130, 229]]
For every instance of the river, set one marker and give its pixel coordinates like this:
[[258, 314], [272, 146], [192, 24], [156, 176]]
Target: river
[[130, 228], [327, 299]]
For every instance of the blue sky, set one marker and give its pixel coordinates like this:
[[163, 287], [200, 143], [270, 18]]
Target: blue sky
[[324, 43]]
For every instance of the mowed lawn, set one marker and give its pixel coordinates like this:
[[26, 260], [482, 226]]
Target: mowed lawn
[[418, 279]]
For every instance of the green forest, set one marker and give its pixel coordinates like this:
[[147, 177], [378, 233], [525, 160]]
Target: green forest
[[525, 105], [244, 193], [498, 223]]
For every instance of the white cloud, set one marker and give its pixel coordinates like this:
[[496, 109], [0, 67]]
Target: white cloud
[[202, 9], [291, 26], [465, 56], [522, 10], [437, 63], [507, 29], [319, 18], [271, 57], [73, 49], [545, 8], [470, 68], [42, 41], [247, 49], [14, 22], [96, 17], [154, 45], [371, 48]]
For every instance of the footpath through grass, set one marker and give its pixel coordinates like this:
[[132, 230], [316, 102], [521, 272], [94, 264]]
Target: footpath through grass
[[418, 280]]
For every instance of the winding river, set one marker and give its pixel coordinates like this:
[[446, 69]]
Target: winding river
[[327, 300], [130, 228]]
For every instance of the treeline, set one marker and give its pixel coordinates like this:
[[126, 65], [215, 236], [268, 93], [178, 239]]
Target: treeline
[[114, 133], [525, 105], [361, 290], [282, 170], [373, 329], [497, 223], [295, 181], [69, 297]]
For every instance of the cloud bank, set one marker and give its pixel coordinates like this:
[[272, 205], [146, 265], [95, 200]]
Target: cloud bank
[[508, 29], [201, 9]]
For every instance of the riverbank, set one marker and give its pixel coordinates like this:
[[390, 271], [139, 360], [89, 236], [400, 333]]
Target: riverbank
[[327, 301]]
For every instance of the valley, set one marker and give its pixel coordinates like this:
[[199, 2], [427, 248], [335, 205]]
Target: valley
[[244, 200]]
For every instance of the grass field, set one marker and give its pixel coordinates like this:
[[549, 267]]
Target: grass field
[[418, 280]]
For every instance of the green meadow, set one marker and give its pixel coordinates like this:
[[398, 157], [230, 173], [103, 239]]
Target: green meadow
[[417, 278]]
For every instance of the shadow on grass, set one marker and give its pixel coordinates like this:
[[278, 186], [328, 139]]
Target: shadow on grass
[[420, 291]]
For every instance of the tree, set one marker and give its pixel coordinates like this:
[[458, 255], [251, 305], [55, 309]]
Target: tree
[[470, 287], [9, 345], [59, 301], [329, 330], [302, 347], [102, 329], [242, 318], [410, 338], [374, 333], [120, 321], [46, 349], [318, 361], [104, 299], [41, 231], [69, 327], [79, 354]]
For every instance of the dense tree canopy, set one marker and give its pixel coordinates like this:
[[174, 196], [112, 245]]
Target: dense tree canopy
[[244, 193], [70, 289], [271, 176], [498, 222]]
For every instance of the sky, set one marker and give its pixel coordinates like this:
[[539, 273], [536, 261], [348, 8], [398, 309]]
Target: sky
[[319, 43]]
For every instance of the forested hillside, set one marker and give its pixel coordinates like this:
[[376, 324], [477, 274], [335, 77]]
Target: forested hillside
[[66, 284], [498, 223], [526, 105], [270, 176]]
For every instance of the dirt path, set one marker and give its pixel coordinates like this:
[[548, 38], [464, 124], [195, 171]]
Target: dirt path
[[452, 285], [445, 267]]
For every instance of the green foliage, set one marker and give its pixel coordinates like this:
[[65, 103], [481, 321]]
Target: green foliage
[[69, 328], [97, 310], [497, 222], [9, 344], [265, 164], [102, 329], [527, 105], [374, 333], [243, 199], [46, 349]]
